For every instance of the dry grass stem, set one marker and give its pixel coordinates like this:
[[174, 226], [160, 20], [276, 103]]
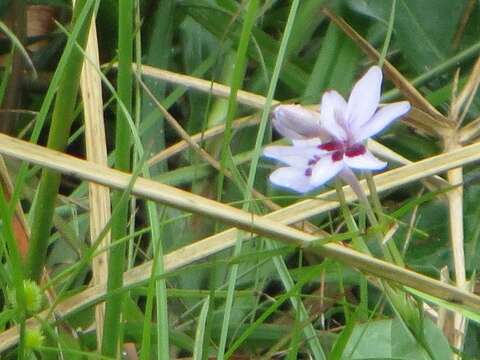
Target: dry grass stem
[[251, 223], [390, 233], [433, 183], [243, 97], [443, 314], [194, 145], [416, 118], [455, 329], [203, 136], [341, 239], [412, 224], [467, 12], [455, 208], [469, 132], [465, 99], [96, 152], [455, 199], [409, 91], [202, 249], [425, 123]]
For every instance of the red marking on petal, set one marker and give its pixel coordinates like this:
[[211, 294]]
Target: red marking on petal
[[312, 162], [331, 146], [308, 172], [355, 150], [337, 156]]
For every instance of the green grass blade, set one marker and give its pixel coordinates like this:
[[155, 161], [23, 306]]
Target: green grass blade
[[198, 349], [237, 78], [310, 274], [388, 36], [15, 269], [113, 306], [62, 119], [13, 38]]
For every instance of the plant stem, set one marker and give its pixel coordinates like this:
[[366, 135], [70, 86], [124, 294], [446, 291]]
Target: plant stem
[[357, 241], [113, 309], [391, 249], [62, 118], [15, 268], [225, 160], [388, 37]]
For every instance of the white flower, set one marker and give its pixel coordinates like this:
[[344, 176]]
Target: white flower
[[331, 142]]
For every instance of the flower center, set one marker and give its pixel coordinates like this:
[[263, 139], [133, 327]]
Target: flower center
[[355, 150], [339, 149], [332, 146]]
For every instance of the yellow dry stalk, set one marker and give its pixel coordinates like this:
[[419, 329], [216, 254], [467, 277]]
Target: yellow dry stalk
[[271, 226], [96, 151]]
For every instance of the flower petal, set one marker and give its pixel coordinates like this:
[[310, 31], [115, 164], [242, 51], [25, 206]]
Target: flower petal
[[308, 142], [332, 114], [292, 178], [296, 156], [365, 161], [325, 169], [382, 118], [349, 177], [296, 122], [364, 98]]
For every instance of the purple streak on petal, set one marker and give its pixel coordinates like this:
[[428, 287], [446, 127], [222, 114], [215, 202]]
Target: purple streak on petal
[[292, 155], [364, 98], [367, 161], [324, 170], [292, 178], [382, 118]]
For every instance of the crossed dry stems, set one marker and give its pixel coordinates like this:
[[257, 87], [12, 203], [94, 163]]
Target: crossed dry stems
[[423, 118]]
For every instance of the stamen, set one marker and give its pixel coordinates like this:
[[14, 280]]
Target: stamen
[[330, 146], [355, 150], [337, 155]]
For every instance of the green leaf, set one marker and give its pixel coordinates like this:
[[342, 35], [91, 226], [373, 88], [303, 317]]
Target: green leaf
[[423, 29], [388, 339]]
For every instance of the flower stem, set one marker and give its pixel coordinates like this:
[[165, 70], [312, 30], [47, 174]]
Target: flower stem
[[380, 223], [400, 302], [357, 241], [377, 205], [390, 252]]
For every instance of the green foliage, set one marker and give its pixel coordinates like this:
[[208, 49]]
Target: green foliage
[[388, 339], [424, 41], [263, 299]]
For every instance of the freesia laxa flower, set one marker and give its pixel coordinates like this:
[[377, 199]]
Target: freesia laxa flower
[[332, 142]]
